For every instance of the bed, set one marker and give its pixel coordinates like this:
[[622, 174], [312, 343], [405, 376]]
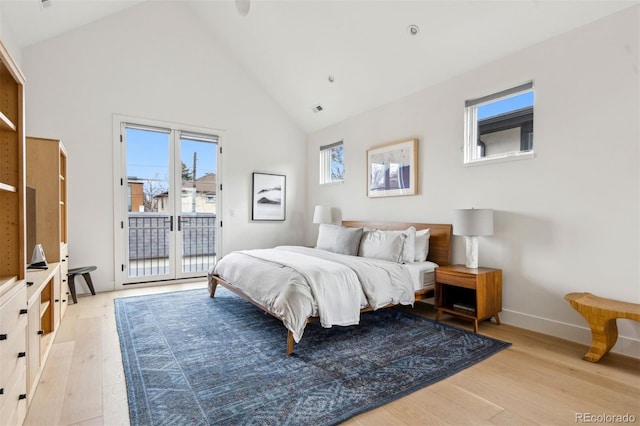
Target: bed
[[354, 267]]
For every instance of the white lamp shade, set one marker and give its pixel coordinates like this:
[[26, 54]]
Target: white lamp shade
[[473, 222], [322, 214]]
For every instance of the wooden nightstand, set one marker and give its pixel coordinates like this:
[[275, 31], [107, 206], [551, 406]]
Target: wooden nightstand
[[471, 293]]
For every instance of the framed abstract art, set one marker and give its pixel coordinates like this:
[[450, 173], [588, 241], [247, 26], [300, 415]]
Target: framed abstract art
[[392, 169]]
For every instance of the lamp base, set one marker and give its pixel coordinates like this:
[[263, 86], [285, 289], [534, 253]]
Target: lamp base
[[471, 251]]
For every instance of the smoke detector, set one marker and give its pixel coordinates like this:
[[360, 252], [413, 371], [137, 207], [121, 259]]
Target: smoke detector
[[317, 108]]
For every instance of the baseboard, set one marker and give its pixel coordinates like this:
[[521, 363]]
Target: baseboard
[[625, 345]]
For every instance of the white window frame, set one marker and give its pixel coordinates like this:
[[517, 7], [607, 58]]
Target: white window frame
[[325, 163], [120, 201], [471, 156]]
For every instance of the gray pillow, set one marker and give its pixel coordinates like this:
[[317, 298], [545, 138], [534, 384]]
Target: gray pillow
[[386, 245], [339, 239]]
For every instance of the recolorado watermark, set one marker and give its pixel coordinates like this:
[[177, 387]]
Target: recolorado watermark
[[605, 418]]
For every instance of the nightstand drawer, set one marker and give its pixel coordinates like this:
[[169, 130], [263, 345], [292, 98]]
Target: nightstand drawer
[[458, 279]]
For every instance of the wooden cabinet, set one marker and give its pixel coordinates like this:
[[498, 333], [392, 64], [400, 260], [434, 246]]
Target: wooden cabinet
[[48, 290], [13, 351], [13, 306], [64, 280], [44, 289], [471, 293], [12, 190], [31, 304], [47, 175]]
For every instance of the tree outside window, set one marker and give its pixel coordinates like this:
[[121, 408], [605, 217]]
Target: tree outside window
[[332, 163]]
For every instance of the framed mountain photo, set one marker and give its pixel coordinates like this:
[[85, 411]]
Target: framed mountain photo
[[269, 196]]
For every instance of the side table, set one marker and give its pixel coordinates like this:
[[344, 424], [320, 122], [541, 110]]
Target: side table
[[470, 293]]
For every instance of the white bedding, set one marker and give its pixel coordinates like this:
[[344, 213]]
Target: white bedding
[[293, 282], [422, 274], [335, 287]]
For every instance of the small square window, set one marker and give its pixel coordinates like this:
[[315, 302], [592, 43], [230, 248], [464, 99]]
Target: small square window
[[332, 163], [500, 126]]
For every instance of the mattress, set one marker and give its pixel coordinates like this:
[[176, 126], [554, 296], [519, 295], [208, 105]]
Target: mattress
[[423, 274]]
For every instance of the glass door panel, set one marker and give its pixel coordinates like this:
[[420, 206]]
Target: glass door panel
[[197, 207], [150, 219], [171, 189]]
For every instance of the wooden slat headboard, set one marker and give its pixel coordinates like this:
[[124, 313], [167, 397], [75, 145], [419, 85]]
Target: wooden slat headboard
[[439, 242]]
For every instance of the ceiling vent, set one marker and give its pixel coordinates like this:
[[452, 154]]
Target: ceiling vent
[[317, 108], [45, 3]]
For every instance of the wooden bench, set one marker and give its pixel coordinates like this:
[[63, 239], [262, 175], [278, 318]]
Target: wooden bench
[[601, 314]]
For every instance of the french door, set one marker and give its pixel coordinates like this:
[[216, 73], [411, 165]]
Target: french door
[[169, 219]]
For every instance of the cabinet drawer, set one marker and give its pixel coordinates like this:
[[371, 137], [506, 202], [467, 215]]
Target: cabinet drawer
[[10, 308], [13, 331], [13, 409], [64, 257], [459, 279], [10, 349]]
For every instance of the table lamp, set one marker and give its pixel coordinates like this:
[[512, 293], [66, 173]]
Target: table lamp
[[472, 223], [322, 214]]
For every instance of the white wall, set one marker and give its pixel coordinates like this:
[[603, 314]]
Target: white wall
[[8, 39], [157, 61], [567, 220]]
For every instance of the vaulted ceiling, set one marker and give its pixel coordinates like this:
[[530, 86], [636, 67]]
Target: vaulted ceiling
[[348, 56]]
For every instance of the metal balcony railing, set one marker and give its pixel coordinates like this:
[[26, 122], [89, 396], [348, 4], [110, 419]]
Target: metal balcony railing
[[149, 243]]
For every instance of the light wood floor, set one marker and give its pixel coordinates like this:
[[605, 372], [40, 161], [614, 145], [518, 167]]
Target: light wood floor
[[538, 380]]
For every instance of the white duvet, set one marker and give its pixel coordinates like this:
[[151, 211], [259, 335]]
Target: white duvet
[[296, 283]]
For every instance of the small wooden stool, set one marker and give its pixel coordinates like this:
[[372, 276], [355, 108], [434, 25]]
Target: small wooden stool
[[601, 314], [85, 272]]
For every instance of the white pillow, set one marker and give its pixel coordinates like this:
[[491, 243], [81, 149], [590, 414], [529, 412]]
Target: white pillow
[[327, 235], [422, 245], [386, 245], [409, 249], [339, 239]]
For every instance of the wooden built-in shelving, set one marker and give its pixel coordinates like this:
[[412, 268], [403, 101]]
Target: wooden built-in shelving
[[6, 124], [12, 145], [6, 283], [13, 292], [8, 188], [46, 173], [31, 304], [45, 303]]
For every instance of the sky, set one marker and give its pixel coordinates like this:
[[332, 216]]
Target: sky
[[148, 155], [504, 105]]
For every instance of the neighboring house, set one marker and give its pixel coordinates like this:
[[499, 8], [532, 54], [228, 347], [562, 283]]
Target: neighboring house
[[135, 194], [197, 197], [509, 132]]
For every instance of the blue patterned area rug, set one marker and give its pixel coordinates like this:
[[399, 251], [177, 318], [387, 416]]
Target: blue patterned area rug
[[192, 360]]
